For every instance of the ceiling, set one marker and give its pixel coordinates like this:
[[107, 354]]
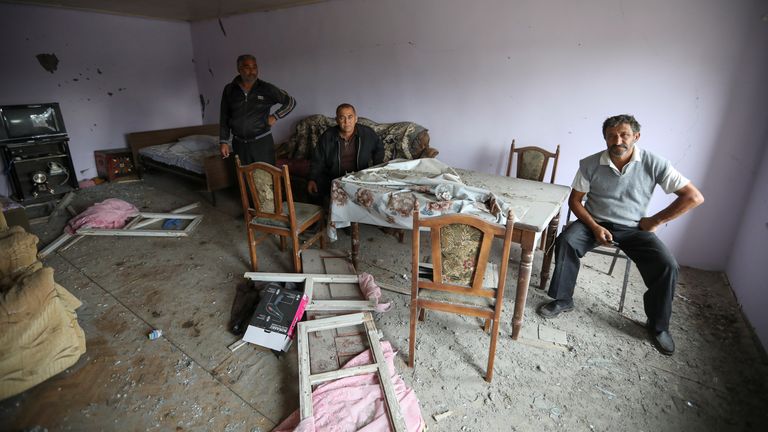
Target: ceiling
[[177, 10]]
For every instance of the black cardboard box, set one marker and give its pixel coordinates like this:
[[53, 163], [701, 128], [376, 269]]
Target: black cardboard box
[[275, 317]]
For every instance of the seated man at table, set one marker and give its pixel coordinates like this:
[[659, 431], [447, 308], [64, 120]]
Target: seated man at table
[[344, 148], [618, 184]]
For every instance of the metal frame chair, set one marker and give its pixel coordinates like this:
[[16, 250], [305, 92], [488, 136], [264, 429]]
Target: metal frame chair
[[448, 292], [616, 254], [268, 207]]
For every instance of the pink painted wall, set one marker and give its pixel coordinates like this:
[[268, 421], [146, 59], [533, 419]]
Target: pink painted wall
[[146, 66], [747, 266], [543, 72]]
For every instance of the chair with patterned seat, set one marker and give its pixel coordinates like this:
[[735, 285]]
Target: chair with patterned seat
[[268, 208], [532, 162], [460, 252]]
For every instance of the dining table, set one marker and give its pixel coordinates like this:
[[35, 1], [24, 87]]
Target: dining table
[[386, 195]]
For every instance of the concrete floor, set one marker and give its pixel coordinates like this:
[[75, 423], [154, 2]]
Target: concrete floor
[[607, 377]]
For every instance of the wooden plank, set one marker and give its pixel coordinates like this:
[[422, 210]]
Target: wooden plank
[[145, 222], [130, 233], [299, 277], [54, 245], [341, 305], [335, 322], [343, 373], [305, 385], [237, 345], [396, 419]]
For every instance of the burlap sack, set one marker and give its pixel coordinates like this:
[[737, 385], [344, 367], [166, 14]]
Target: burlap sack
[[39, 333], [18, 251]]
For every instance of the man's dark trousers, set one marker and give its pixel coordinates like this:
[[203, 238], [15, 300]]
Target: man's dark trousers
[[656, 264]]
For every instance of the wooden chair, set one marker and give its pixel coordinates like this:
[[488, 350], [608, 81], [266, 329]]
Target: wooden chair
[[532, 162], [460, 253], [268, 207]]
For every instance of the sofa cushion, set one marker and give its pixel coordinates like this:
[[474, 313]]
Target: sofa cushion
[[405, 140]]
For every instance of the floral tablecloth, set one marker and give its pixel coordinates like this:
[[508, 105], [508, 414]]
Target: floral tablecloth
[[387, 195]]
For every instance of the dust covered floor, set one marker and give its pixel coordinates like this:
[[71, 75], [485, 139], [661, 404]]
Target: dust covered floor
[[608, 377]]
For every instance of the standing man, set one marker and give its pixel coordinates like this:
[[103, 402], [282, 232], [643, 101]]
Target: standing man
[[344, 148], [245, 106], [618, 184]]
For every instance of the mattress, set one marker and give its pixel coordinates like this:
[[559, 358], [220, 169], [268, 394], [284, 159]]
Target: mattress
[[174, 155]]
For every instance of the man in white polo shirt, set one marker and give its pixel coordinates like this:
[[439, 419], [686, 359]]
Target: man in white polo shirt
[[610, 196]]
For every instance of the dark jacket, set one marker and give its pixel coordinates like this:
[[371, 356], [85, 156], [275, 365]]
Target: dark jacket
[[325, 164], [245, 115]]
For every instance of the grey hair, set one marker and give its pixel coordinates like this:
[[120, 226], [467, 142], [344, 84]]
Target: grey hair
[[243, 57], [621, 119]]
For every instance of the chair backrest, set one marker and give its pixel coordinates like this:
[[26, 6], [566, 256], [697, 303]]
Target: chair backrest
[[265, 191], [460, 252], [532, 162]]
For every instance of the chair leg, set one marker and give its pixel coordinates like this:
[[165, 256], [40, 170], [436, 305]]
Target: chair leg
[[492, 351], [613, 262], [252, 250], [282, 243], [412, 336], [296, 251], [624, 287], [422, 314], [487, 325]]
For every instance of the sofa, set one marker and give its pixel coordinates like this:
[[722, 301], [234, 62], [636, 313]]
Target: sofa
[[402, 140]]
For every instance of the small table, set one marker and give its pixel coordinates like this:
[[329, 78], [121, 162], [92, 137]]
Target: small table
[[360, 198]]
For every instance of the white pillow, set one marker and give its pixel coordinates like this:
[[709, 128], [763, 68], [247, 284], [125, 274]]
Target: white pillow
[[196, 143]]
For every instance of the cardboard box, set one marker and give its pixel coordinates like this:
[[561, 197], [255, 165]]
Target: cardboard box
[[275, 317]]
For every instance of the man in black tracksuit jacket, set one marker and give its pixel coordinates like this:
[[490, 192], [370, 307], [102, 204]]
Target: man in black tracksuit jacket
[[245, 106], [344, 148]]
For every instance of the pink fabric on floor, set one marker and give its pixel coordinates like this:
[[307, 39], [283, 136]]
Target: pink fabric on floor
[[371, 291], [108, 214], [357, 403]]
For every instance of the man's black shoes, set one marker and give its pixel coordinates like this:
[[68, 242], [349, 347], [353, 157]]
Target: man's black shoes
[[662, 341], [555, 308]]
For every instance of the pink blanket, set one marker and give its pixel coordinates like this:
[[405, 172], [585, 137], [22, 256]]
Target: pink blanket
[[357, 403], [109, 214], [372, 291]]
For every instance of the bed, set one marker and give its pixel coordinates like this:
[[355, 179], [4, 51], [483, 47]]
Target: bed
[[191, 152]]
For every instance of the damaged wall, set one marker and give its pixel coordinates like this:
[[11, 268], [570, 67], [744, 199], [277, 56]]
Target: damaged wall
[[112, 75], [545, 73]]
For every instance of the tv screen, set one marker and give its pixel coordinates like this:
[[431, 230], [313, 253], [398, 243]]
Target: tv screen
[[26, 121]]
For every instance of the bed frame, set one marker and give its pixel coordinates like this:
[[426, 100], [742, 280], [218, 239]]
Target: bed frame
[[219, 173]]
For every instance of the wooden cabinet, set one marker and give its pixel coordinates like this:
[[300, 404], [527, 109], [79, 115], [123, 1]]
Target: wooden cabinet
[[115, 164]]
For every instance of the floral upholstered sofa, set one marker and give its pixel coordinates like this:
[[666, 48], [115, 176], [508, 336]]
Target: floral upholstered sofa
[[402, 140]]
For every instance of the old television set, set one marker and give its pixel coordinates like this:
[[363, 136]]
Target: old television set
[[31, 122]]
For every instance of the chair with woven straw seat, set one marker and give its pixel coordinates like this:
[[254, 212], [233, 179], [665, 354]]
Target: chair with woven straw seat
[[268, 208], [460, 256]]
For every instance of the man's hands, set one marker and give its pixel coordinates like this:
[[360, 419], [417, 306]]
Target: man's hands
[[602, 235], [312, 187], [648, 224], [224, 150], [271, 120]]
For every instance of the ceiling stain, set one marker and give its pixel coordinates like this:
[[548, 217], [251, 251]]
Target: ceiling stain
[[49, 62]]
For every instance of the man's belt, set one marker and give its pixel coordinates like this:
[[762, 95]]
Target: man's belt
[[246, 140]]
